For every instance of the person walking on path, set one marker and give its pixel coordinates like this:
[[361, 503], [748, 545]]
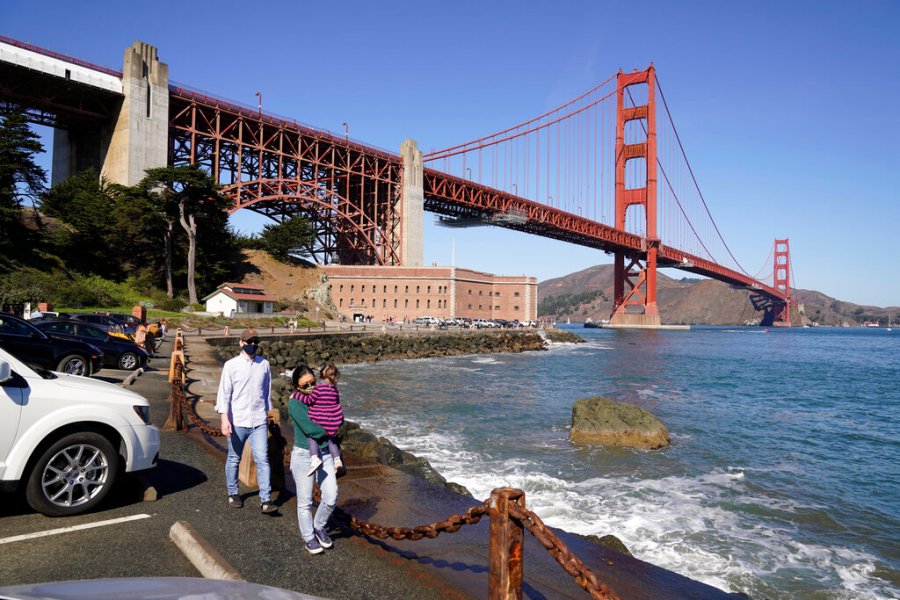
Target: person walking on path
[[244, 401], [312, 530], [325, 410]]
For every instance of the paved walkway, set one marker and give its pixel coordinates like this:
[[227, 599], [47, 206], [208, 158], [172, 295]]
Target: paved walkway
[[451, 565]]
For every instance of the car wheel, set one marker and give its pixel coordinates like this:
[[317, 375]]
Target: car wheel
[[129, 361], [74, 365], [73, 475]]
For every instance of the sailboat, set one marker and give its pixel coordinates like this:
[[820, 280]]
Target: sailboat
[[889, 322]]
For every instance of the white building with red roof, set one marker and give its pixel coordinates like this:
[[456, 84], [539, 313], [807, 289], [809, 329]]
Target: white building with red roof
[[232, 299]]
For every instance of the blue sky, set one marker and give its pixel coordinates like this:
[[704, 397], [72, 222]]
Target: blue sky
[[787, 110]]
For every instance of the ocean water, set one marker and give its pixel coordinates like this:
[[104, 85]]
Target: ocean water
[[782, 480]]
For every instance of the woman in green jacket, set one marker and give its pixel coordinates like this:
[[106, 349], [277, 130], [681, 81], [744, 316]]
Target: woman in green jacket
[[312, 530]]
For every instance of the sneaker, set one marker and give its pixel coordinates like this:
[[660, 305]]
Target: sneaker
[[267, 507], [338, 464], [313, 546], [235, 500], [323, 538], [314, 464]]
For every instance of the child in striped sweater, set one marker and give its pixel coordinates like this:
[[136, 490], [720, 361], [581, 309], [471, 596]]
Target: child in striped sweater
[[325, 410]]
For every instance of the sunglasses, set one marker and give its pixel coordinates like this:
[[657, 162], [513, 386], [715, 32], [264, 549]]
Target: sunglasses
[[253, 340]]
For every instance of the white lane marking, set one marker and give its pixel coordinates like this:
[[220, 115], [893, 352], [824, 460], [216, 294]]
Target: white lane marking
[[39, 534]]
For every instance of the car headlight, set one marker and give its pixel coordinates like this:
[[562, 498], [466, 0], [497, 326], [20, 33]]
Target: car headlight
[[143, 412]]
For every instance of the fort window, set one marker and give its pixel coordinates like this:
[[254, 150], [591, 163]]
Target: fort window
[[417, 303], [406, 303], [395, 303], [515, 308], [384, 303], [406, 289], [362, 289], [428, 304], [417, 289], [395, 289], [516, 294]]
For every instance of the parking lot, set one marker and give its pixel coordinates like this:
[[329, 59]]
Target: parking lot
[[128, 537]]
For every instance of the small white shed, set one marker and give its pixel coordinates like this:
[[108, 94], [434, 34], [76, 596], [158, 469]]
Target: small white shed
[[232, 299]]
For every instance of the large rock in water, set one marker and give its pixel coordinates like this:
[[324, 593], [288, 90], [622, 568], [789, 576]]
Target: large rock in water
[[601, 421]]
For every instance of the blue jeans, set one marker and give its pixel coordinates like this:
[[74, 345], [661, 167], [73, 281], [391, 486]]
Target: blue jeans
[[327, 485], [259, 445]]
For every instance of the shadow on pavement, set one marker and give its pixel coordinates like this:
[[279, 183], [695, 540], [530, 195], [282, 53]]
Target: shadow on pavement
[[170, 477]]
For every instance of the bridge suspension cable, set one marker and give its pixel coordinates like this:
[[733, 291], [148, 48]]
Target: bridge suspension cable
[[694, 179]]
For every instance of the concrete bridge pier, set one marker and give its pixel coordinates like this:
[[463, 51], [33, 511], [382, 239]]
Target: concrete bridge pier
[[412, 205], [136, 138]]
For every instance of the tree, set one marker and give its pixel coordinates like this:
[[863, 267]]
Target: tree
[[180, 193], [20, 178], [289, 239], [87, 204]]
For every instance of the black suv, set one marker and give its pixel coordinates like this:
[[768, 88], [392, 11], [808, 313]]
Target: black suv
[[117, 353], [33, 347]]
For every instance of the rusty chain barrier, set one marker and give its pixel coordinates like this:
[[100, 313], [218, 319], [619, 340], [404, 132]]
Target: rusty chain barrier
[[505, 509], [570, 563]]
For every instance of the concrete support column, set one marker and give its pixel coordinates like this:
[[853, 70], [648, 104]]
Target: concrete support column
[[140, 138], [412, 206], [77, 149]]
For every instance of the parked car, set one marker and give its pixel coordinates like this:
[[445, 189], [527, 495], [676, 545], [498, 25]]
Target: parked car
[[117, 353], [108, 324], [67, 439], [149, 588], [132, 321], [32, 346]]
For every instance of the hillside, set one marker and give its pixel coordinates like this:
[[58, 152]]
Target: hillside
[[297, 288], [693, 300]]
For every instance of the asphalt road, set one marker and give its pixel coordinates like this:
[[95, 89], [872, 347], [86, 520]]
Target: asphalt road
[[190, 482]]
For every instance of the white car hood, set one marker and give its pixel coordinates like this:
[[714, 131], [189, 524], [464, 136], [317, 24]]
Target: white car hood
[[85, 387]]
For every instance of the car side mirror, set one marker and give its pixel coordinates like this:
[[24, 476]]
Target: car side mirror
[[5, 372]]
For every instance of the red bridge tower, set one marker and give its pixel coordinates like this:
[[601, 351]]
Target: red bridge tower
[[783, 282], [637, 304]]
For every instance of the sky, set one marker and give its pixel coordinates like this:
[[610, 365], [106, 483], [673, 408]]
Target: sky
[[787, 110]]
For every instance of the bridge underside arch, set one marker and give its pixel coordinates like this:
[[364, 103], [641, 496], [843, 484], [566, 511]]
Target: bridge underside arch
[[343, 232], [349, 193]]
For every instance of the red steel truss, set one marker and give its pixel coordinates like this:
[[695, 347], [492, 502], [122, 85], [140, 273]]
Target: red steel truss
[[348, 192], [457, 197]]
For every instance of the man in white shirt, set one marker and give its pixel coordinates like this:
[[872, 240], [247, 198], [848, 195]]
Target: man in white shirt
[[244, 400]]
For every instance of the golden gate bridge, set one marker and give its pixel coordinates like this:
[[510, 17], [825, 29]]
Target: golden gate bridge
[[606, 170]]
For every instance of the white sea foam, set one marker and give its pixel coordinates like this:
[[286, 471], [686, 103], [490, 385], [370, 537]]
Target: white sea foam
[[487, 360], [680, 523]]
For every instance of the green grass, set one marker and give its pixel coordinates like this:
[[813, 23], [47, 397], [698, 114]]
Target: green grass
[[177, 319]]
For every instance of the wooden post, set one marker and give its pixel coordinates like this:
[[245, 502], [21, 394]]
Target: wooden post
[[175, 420], [505, 548]]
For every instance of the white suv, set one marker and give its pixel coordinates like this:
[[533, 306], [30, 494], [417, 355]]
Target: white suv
[[68, 438]]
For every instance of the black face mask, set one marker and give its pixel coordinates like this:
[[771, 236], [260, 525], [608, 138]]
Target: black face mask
[[250, 349]]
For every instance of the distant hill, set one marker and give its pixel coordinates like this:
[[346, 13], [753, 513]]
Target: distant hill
[[587, 294]]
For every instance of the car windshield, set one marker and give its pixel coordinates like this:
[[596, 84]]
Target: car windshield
[[14, 326]]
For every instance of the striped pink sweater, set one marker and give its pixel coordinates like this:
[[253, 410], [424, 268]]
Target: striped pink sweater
[[325, 407]]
